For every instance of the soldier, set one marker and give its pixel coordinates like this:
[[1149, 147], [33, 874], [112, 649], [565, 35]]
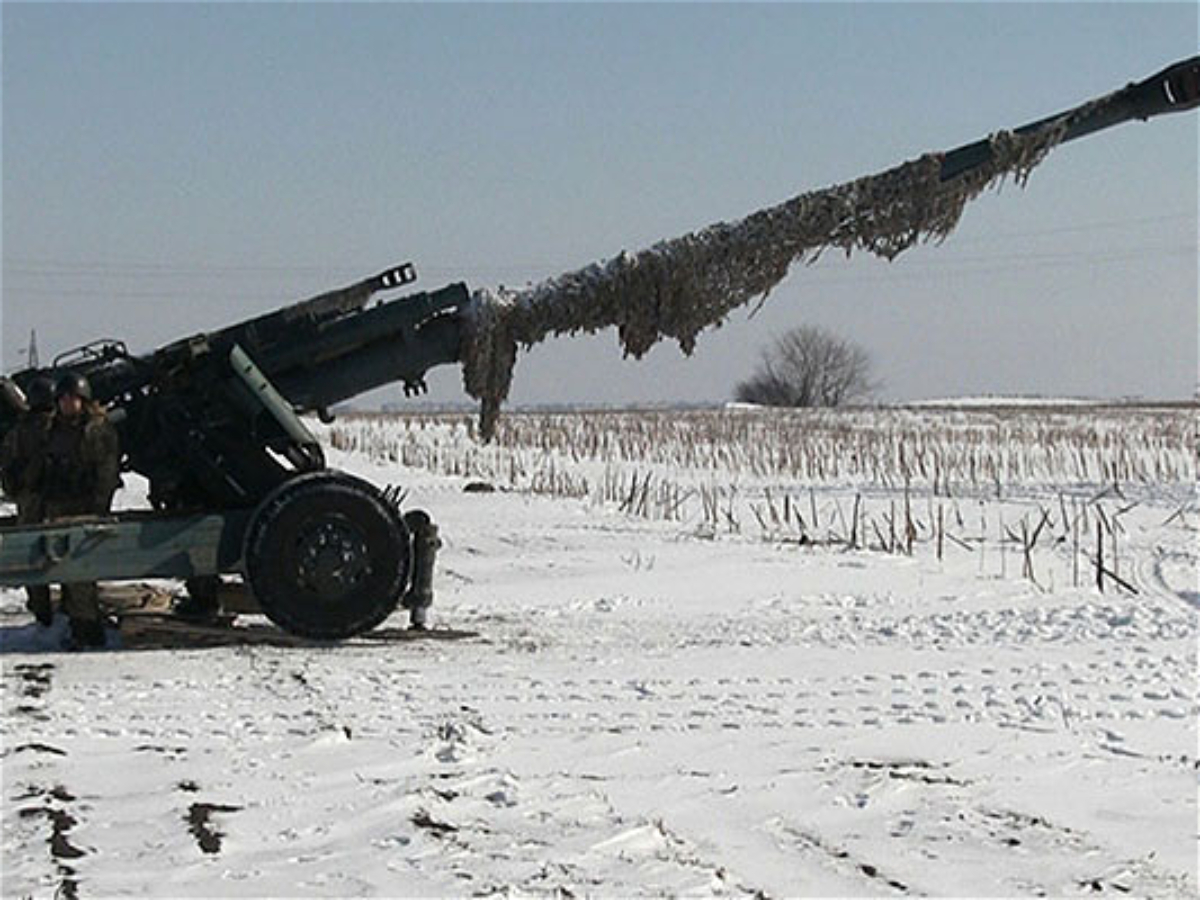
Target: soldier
[[22, 461], [80, 475]]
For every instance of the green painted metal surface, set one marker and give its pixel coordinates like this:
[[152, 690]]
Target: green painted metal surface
[[122, 547], [271, 400]]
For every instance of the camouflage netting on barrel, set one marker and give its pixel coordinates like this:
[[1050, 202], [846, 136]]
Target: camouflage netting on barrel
[[679, 287]]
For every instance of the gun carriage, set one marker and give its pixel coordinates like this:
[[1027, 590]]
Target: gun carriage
[[238, 483]]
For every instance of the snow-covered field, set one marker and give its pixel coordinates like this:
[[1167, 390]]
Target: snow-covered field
[[744, 677]]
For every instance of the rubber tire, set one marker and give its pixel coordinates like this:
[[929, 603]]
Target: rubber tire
[[272, 564]]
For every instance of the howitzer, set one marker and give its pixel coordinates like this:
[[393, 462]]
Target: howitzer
[[238, 481], [205, 419], [239, 484]]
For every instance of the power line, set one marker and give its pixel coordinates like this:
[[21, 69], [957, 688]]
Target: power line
[[48, 266], [901, 270]]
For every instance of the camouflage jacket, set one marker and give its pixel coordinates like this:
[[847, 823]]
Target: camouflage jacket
[[23, 454], [82, 462]]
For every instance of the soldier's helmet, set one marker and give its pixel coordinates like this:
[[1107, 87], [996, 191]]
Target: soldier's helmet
[[73, 384], [39, 394]]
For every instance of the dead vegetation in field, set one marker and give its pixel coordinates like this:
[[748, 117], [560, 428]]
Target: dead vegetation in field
[[942, 452], [937, 451], [1007, 486]]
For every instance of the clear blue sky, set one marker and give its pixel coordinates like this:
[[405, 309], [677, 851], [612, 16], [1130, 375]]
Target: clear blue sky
[[167, 169]]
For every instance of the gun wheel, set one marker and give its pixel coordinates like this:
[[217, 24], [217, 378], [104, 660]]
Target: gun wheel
[[327, 556]]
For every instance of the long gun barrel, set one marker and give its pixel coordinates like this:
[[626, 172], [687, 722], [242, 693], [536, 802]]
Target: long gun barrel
[[679, 287], [209, 418], [1174, 89]]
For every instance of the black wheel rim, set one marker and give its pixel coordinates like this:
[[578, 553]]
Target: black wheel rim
[[332, 560]]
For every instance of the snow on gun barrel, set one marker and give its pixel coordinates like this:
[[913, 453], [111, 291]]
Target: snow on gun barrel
[[679, 287]]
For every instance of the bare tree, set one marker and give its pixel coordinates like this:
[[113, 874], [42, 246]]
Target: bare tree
[[809, 366]]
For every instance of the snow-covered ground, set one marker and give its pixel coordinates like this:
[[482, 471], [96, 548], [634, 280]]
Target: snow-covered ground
[[649, 708]]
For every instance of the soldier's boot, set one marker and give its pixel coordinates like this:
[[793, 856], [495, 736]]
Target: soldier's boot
[[425, 543], [81, 602], [86, 634], [38, 603], [201, 603]]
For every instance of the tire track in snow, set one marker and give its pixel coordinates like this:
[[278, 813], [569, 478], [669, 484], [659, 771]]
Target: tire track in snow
[[553, 834], [1181, 586], [1040, 697]]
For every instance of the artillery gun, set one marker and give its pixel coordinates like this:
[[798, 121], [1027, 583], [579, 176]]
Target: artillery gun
[[238, 483]]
